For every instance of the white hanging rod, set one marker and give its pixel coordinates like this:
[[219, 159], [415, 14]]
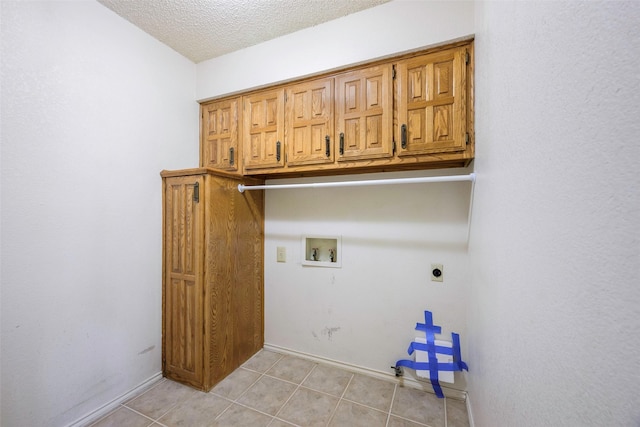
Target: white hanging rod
[[453, 178]]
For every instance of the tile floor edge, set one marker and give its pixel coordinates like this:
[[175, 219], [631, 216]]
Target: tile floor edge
[[108, 407], [388, 376]]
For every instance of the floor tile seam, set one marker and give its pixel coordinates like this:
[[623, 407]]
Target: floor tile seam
[[283, 379], [295, 391], [324, 392], [365, 406], [411, 420], [176, 404], [247, 389], [285, 421], [232, 401], [393, 397], [266, 370], [124, 405], [444, 405], [333, 414], [244, 405], [163, 380]]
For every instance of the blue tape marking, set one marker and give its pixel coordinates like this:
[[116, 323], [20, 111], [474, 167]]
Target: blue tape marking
[[457, 357], [433, 366]]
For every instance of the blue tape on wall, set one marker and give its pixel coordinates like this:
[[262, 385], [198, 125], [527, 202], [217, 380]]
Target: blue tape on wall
[[433, 366]]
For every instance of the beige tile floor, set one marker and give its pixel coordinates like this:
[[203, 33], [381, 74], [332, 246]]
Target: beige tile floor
[[275, 390]]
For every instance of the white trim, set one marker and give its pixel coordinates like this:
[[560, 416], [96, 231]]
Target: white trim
[[110, 406], [387, 376]]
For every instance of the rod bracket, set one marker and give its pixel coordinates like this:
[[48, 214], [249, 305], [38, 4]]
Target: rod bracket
[[241, 188]]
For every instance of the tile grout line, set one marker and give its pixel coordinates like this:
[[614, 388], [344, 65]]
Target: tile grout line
[[333, 414], [297, 388], [393, 396], [262, 374], [445, 411], [139, 413]]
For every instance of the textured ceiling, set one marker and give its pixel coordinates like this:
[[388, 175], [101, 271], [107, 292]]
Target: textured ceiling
[[205, 29]]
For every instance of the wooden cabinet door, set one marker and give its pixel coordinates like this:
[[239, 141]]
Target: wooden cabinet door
[[364, 117], [432, 103], [219, 147], [183, 285], [309, 123], [263, 129]]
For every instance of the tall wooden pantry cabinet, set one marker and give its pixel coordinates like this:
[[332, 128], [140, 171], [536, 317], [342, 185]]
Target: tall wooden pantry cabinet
[[212, 282]]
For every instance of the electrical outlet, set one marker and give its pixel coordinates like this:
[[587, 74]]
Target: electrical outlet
[[437, 273], [282, 254]]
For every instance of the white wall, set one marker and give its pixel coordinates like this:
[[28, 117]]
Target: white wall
[[92, 110], [384, 30], [390, 235], [364, 313], [555, 304]]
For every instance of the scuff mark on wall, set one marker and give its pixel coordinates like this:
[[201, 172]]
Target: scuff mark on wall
[[329, 331], [147, 350]]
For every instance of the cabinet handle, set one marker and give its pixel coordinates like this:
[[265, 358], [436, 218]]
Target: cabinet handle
[[327, 141], [278, 151], [403, 136], [341, 143], [231, 156], [196, 192]]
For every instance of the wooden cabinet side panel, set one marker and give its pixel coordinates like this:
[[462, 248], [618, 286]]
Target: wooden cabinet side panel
[[234, 277], [219, 281], [248, 270]]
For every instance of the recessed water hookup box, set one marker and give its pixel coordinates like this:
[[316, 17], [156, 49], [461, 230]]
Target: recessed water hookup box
[[322, 251]]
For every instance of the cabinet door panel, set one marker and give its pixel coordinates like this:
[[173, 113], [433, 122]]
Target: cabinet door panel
[[264, 129], [364, 114], [183, 314], [432, 103], [309, 121], [220, 147]]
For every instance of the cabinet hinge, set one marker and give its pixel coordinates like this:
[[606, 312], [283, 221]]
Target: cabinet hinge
[[393, 72], [394, 147], [466, 138], [285, 97], [196, 192], [466, 57]]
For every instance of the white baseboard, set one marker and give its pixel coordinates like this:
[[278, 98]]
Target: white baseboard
[[388, 376], [110, 406]]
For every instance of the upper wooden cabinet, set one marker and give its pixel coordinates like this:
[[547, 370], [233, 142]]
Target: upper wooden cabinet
[[413, 111], [263, 129], [364, 116], [309, 133], [431, 103], [219, 139]]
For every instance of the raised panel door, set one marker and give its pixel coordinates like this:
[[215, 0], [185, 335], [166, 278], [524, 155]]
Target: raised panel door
[[309, 123], [432, 103], [364, 119], [263, 129], [219, 135], [183, 287]]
